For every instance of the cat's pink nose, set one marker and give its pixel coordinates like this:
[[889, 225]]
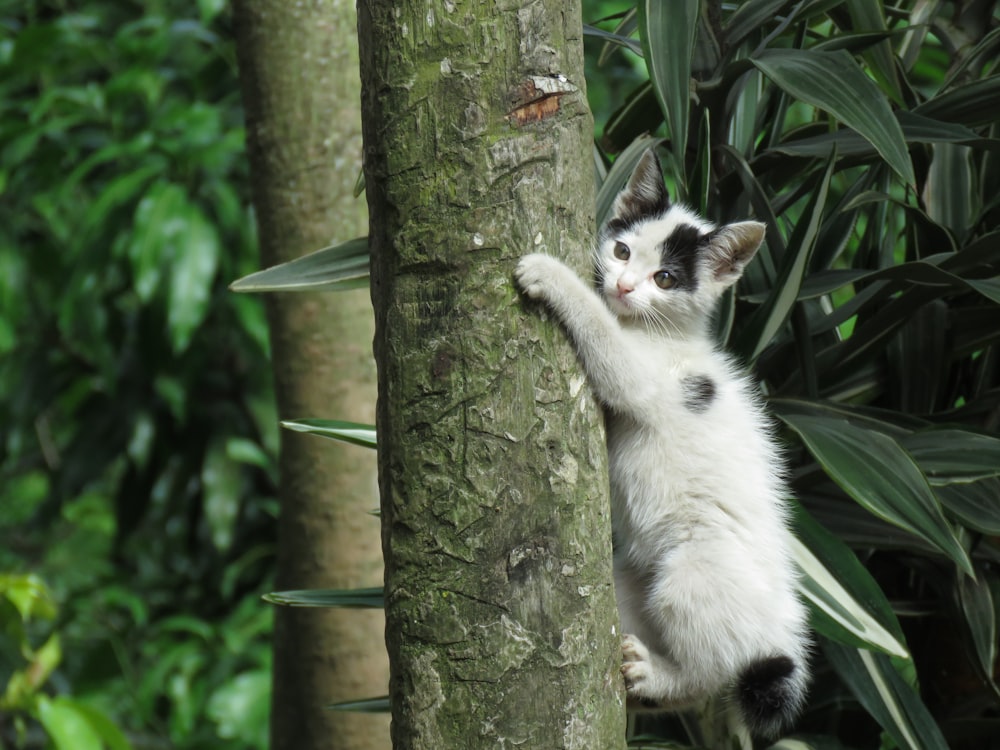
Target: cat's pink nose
[[624, 288]]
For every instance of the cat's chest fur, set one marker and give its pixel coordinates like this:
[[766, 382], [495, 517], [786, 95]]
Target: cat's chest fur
[[694, 459]]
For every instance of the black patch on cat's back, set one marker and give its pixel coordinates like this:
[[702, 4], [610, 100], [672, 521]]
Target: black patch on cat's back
[[699, 392], [679, 254]]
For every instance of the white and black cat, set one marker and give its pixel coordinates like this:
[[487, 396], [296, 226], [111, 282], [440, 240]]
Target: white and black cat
[[704, 579]]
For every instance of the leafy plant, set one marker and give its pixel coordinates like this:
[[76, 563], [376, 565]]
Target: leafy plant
[[865, 137], [25, 704], [138, 432], [866, 142]]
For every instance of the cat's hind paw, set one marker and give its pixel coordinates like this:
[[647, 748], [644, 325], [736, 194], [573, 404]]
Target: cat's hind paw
[[535, 272], [637, 669]]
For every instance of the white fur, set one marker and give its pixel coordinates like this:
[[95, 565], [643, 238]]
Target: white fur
[[704, 579]]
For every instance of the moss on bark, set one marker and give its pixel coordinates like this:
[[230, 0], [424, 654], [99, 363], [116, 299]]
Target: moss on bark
[[500, 612]]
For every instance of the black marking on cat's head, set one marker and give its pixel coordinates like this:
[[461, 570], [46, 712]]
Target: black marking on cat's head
[[699, 392], [679, 255], [644, 197], [769, 695]]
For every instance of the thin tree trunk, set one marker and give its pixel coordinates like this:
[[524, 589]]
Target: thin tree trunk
[[297, 66], [501, 623]]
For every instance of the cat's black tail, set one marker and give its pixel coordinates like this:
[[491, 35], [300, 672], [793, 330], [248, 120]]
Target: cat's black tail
[[770, 693]]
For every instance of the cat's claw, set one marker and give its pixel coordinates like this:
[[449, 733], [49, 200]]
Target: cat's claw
[[533, 272], [636, 665]]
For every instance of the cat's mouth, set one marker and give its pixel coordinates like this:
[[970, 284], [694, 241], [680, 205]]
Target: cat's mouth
[[621, 303]]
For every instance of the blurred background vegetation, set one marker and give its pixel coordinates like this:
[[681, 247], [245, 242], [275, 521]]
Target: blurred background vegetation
[[139, 436], [138, 450]]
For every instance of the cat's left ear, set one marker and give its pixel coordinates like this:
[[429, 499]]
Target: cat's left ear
[[732, 247]]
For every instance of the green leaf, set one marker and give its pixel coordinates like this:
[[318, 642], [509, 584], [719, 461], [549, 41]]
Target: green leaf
[[974, 505], [221, 480], [916, 273], [66, 725], [335, 268], [869, 16], [886, 696], [370, 598], [636, 118], [976, 601], [834, 83], [846, 602], [156, 231], [750, 16], [29, 594], [349, 432], [194, 261], [239, 709], [612, 38], [879, 475], [916, 129], [771, 315], [949, 193], [667, 32], [976, 103], [109, 732], [366, 706], [628, 22], [951, 455]]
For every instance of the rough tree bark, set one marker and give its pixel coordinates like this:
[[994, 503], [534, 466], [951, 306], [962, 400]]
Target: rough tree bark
[[298, 65], [501, 623]]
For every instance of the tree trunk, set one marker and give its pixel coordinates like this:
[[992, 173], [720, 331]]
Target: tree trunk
[[501, 622], [297, 64]]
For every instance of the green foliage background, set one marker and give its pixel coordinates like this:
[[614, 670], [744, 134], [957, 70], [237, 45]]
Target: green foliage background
[[137, 429]]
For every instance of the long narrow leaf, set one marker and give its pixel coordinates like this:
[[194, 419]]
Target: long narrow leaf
[[334, 268], [976, 103], [834, 83], [951, 455], [370, 598], [869, 16], [879, 475], [975, 505], [348, 432], [750, 16], [846, 602], [975, 599], [772, 314], [613, 38], [949, 191], [667, 31], [886, 696], [366, 706]]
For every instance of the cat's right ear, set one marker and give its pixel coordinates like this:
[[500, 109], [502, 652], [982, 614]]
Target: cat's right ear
[[732, 247], [645, 196]]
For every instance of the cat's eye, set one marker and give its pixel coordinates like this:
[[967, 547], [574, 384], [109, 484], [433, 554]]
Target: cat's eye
[[663, 279], [621, 251]]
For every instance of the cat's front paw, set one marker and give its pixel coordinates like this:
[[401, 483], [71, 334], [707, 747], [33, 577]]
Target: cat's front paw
[[535, 272]]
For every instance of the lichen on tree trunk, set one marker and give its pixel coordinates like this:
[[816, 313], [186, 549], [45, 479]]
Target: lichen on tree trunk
[[501, 624]]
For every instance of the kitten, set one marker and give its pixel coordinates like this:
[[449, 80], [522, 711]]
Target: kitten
[[704, 579]]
